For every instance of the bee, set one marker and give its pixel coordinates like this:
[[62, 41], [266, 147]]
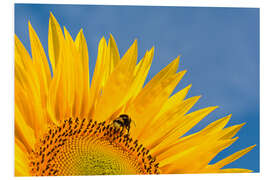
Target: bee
[[123, 121]]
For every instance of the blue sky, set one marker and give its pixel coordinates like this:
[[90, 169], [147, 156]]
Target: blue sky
[[219, 48]]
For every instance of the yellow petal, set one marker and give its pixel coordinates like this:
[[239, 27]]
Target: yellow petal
[[74, 74], [57, 101], [212, 132], [188, 122], [21, 97], [193, 118], [113, 52], [29, 92], [100, 75], [84, 58], [26, 100], [116, 89], [168, 162], [43, 72], [26, 81], [141, 72], [158, 79], [23, 132], [168, 122], [39, 59], [21, 160], [164, 73], [231, 131], [195, 158], [55, 39], [149, 101], [61, 97], [233, 157], [235, 170], [69, 81], [175, 100], [141, 108]]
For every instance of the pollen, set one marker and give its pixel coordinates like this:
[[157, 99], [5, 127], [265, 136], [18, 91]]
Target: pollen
[[86, 147]]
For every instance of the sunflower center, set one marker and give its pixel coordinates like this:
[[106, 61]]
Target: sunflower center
[[78, 147]]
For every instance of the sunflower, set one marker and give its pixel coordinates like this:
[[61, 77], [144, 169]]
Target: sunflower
[[65, 125]]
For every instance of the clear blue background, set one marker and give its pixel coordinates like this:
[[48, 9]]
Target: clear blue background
[[219, 48]]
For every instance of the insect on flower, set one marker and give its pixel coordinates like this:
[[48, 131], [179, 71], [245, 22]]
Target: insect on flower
[[123, 122]]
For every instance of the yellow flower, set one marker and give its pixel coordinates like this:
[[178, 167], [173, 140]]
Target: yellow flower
[[65, 125]]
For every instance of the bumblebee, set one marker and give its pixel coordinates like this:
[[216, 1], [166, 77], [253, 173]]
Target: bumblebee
[[123, 122]]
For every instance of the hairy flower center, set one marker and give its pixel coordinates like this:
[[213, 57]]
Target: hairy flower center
[[80, 147]]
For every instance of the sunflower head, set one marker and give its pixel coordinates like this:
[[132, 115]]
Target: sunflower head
[[65, 125]]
